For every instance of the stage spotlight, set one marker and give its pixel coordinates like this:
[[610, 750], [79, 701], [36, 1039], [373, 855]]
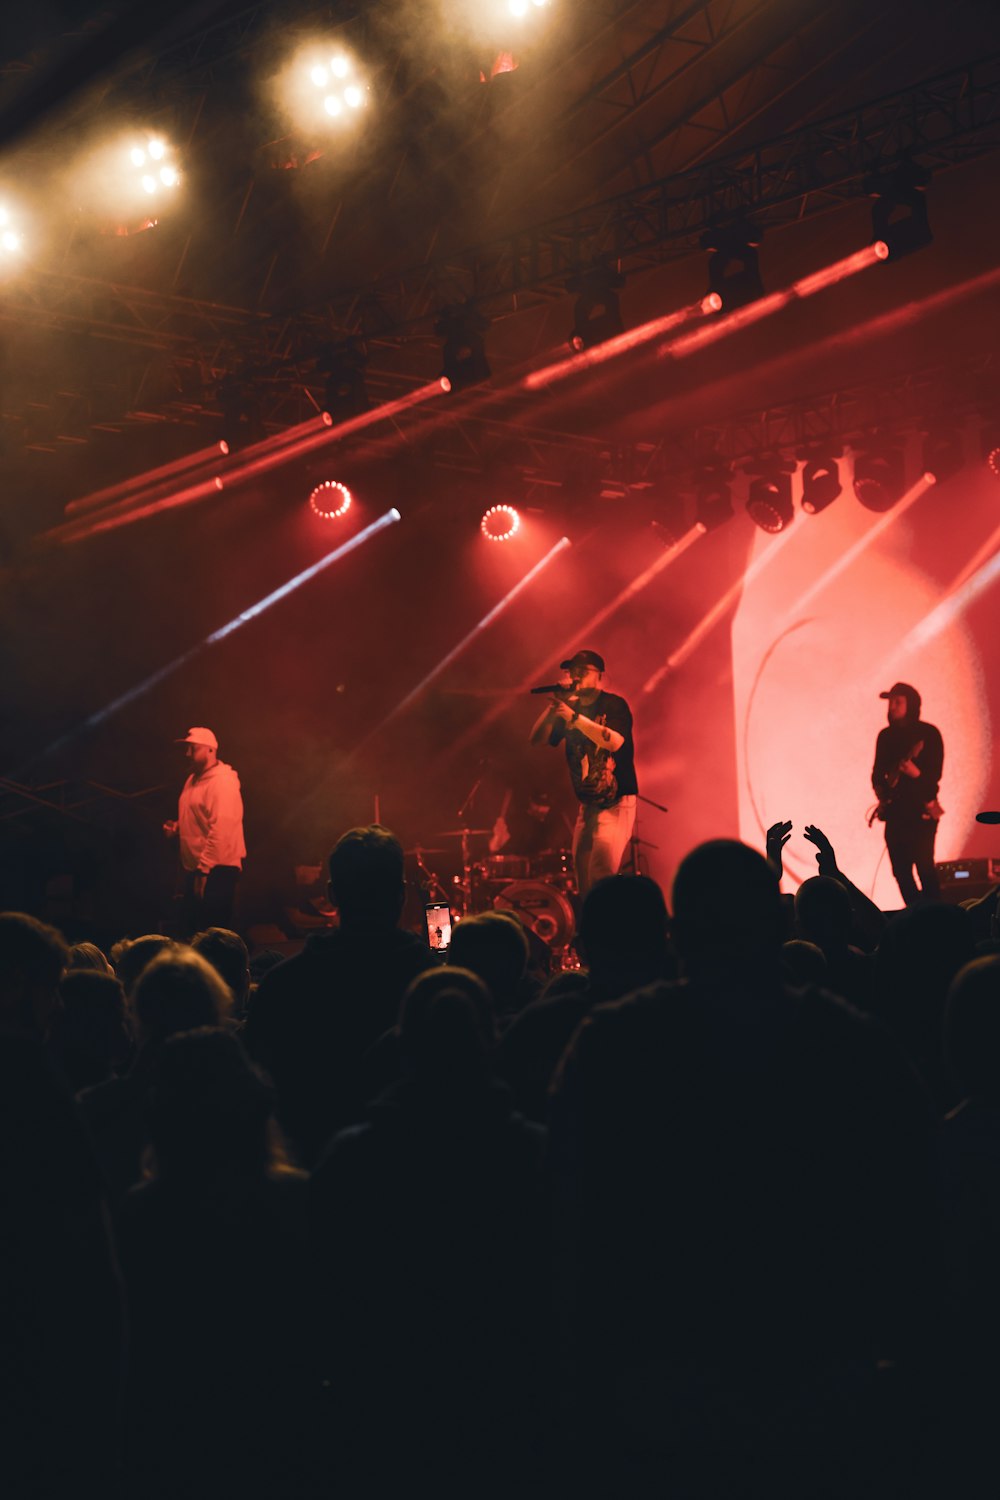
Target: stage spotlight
[[154, 167], [733, 272], [942, 453], [769, 499], [335, 87], [330, 500], [989, 443], [464, 353], [713, 496], [879, 475], [821, 484], [596, 313], [500, 523], [11, 240], [899, 212]]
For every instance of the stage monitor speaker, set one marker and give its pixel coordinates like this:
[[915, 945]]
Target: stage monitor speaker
[[967, 879]]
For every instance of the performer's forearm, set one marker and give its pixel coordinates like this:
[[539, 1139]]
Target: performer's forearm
[[598, 734]]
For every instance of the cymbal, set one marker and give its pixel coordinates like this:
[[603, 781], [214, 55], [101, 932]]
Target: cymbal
[[457, 833], [421, 849]]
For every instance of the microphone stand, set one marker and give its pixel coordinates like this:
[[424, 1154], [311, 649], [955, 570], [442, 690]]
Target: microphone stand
[[635, 842]]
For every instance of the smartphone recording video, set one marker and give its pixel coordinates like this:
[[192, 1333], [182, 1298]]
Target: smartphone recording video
[[437, 915]]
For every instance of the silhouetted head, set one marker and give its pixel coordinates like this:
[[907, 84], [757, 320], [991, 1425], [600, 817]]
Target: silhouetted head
[[366, 877], [903, 703], [727, 909], [624, 925], [32, 956], [89, 1030], [207, 1106], [88, 956], [131, 956], [922, 950], [179, 991], [446, 1028], [804, 962], [227, 953], [823, 911], [492, 945], [972, 1029]]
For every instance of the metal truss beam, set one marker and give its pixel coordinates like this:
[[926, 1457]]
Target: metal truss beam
[[938, 392], [945, 121]]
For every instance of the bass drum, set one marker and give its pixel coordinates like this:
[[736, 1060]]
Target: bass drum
[[542, 908]]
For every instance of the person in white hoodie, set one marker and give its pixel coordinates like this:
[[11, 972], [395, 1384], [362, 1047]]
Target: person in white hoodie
[[209, 828]]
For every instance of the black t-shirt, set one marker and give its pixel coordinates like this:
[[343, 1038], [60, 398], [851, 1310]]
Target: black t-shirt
[[600, 777]]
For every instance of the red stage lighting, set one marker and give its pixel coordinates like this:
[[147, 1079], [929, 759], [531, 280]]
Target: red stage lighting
[[820, 482], [330, 500], [769, 502], [499, 523], [989, 442], [879, 476]]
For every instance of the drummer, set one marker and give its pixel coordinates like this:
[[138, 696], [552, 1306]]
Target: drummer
[[528, 826]]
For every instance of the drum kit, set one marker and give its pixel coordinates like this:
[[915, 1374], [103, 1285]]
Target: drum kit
[[538, 888]]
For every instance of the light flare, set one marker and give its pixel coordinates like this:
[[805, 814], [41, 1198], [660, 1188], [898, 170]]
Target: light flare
[[477, 630], [754, 312], [852, 553], [145, 482], [251, 613], [640, 582], [613, 348], [718, 612]]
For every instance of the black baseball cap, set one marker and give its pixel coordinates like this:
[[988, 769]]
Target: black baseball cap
[[583, 659], [900, 690]]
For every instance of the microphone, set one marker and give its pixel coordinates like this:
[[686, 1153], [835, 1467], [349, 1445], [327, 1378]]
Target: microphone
[[988, 817], [554, 687]]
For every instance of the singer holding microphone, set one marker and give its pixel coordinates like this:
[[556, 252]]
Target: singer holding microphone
[[596, 728]]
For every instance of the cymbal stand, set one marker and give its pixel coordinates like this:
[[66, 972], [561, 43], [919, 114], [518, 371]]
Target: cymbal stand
[[433, 885], [465, 883]]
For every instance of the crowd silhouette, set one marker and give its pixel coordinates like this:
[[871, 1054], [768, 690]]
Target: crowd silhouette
[[715, 1215]]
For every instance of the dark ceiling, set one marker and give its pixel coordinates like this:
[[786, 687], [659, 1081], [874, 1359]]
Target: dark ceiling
[[622, 130]]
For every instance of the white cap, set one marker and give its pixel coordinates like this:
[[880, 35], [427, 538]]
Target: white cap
[[199, 736]]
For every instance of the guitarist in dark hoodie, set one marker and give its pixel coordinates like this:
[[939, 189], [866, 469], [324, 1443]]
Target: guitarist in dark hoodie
[[909, 755]]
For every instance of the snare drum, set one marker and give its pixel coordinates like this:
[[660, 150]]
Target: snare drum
[[504, 867], [555, 865], [541, 908]]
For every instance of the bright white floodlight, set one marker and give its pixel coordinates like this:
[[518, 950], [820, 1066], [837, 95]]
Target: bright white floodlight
[[322, 83]]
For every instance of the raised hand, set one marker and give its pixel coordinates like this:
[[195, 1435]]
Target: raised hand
[[826, 855], [777, 837]]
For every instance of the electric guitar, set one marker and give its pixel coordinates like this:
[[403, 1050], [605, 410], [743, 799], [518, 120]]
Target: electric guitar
[[933, 809]]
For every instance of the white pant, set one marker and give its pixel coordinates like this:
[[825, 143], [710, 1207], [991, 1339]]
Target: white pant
[[599, 839]]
